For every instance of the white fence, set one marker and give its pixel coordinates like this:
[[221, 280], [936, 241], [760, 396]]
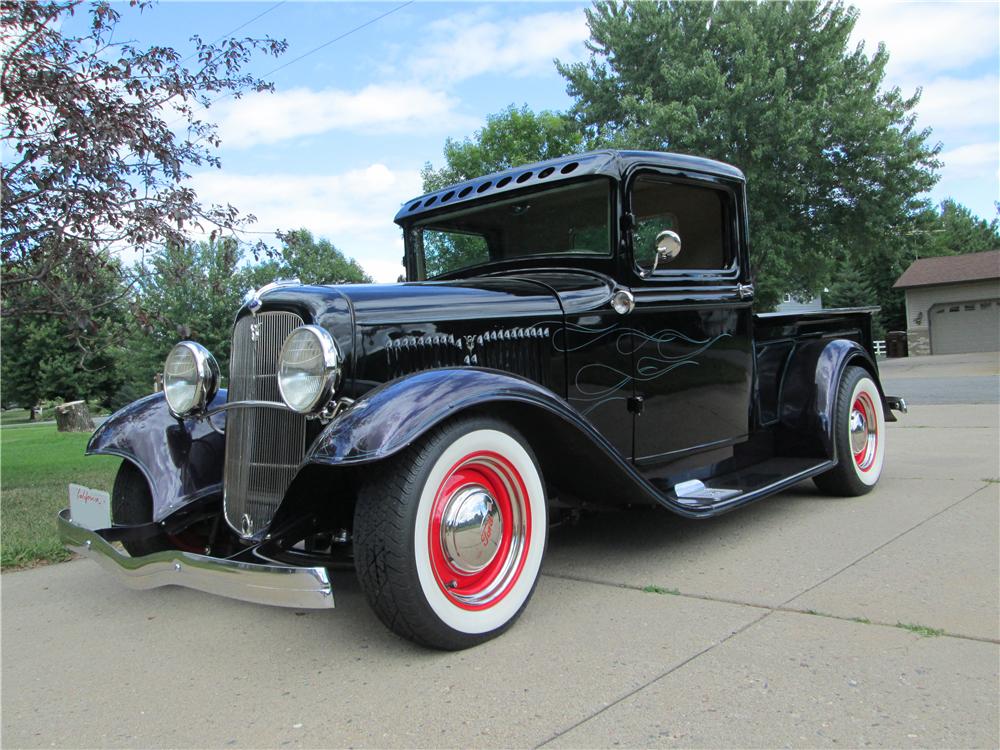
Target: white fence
[[879, 348]]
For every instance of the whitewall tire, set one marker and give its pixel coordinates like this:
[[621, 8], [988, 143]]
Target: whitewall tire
[[450, 534], [859, 436]]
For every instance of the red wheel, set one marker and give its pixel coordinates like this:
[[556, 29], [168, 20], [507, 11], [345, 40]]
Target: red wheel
[[480, 530], [449, 537], [864, 424]]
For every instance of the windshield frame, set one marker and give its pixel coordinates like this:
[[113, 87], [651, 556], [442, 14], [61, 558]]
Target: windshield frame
[[414, 258]]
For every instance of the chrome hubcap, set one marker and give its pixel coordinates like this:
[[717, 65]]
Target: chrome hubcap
[[471, 529], [859, 431]]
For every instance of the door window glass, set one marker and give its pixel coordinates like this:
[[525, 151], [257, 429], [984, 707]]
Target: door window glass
[[696, 214]]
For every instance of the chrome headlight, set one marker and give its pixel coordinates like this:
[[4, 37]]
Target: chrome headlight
[[308, 369], [190, 378]]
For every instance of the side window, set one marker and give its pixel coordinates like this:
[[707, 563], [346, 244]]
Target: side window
[[696, 214]]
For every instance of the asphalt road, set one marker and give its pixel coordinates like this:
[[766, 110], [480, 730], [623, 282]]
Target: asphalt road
[[782, 631], [950, 379]]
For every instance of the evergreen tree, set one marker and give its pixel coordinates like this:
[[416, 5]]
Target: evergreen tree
[[190, 291], [954, 230]]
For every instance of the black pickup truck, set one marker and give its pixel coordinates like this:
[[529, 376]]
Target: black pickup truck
[[572, 334]]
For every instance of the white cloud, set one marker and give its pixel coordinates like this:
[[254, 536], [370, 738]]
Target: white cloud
[[924, 37], [958, 102], [418, 101], [353, 210], [972, 161], [470, 44], [268, 118]]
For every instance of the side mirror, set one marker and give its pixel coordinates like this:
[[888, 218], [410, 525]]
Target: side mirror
[[668, 247]]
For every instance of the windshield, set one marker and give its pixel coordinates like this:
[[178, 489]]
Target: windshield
[[570, 220]]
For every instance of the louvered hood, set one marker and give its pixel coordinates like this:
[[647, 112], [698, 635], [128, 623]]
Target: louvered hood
[[510, 323]]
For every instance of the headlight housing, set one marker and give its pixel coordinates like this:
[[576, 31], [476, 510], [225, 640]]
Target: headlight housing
[[308, 369], [190, 378]]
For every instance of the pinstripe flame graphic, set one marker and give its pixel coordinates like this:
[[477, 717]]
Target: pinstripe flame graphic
[[629, 341]]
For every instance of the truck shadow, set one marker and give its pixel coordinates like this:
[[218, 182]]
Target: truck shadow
[[637, 532]]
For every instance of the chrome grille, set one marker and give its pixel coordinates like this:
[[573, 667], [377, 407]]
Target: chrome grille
[[264, 446]]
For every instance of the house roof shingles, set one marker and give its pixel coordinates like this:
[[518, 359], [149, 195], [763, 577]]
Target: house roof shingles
[[950, 269]]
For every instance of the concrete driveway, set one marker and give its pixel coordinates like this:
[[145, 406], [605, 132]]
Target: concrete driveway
[[780, 626]]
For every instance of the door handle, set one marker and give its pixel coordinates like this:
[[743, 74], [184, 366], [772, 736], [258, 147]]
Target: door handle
[[745, 291]]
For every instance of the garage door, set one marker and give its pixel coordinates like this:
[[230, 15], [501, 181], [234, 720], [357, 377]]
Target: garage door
[[959, 327]]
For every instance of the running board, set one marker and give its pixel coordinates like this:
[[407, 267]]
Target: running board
[[746, 485]]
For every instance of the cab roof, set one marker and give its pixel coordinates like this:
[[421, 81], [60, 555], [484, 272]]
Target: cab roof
[[608, 163]]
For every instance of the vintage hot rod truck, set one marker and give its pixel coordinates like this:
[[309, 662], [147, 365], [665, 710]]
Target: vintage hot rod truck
[[572, 334]]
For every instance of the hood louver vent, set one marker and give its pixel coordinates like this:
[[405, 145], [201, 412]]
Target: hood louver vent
[[523, 351]]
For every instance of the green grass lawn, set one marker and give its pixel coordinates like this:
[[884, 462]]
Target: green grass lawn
[[36, 465], [23, 416]]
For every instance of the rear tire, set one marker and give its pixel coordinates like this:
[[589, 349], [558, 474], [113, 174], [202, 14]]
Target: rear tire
[[859, 437], [132, 504], [449, 534]]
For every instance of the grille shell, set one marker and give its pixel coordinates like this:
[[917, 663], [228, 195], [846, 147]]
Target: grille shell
[[264, 446]]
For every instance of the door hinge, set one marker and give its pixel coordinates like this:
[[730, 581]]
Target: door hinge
[[627, 222], [635, 404]]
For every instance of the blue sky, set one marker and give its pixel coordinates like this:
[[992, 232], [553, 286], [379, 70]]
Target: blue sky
[[339, 145]]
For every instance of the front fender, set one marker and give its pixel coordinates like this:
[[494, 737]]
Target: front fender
[[181, 459], [809, 390], [392, 416]]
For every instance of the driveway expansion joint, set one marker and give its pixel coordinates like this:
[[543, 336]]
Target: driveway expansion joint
[[653, 681], [768, 608], [885, 544]]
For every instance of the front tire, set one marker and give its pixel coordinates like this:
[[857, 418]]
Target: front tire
[[859, 437], [449, 535], [131, 505]]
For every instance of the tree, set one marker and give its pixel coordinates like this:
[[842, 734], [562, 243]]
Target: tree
[[193, 291], [46, 356], [954, 230], [317, 261], [189, 291], [834, 161], [94, 159], [509, 138]]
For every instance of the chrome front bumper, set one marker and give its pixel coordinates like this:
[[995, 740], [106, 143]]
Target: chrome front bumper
[[278, 585]]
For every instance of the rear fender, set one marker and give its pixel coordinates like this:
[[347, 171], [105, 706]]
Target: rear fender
[[809, 389], [181, 459]]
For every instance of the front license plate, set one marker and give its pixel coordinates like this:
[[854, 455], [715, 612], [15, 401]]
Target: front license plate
[[89, 508]]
